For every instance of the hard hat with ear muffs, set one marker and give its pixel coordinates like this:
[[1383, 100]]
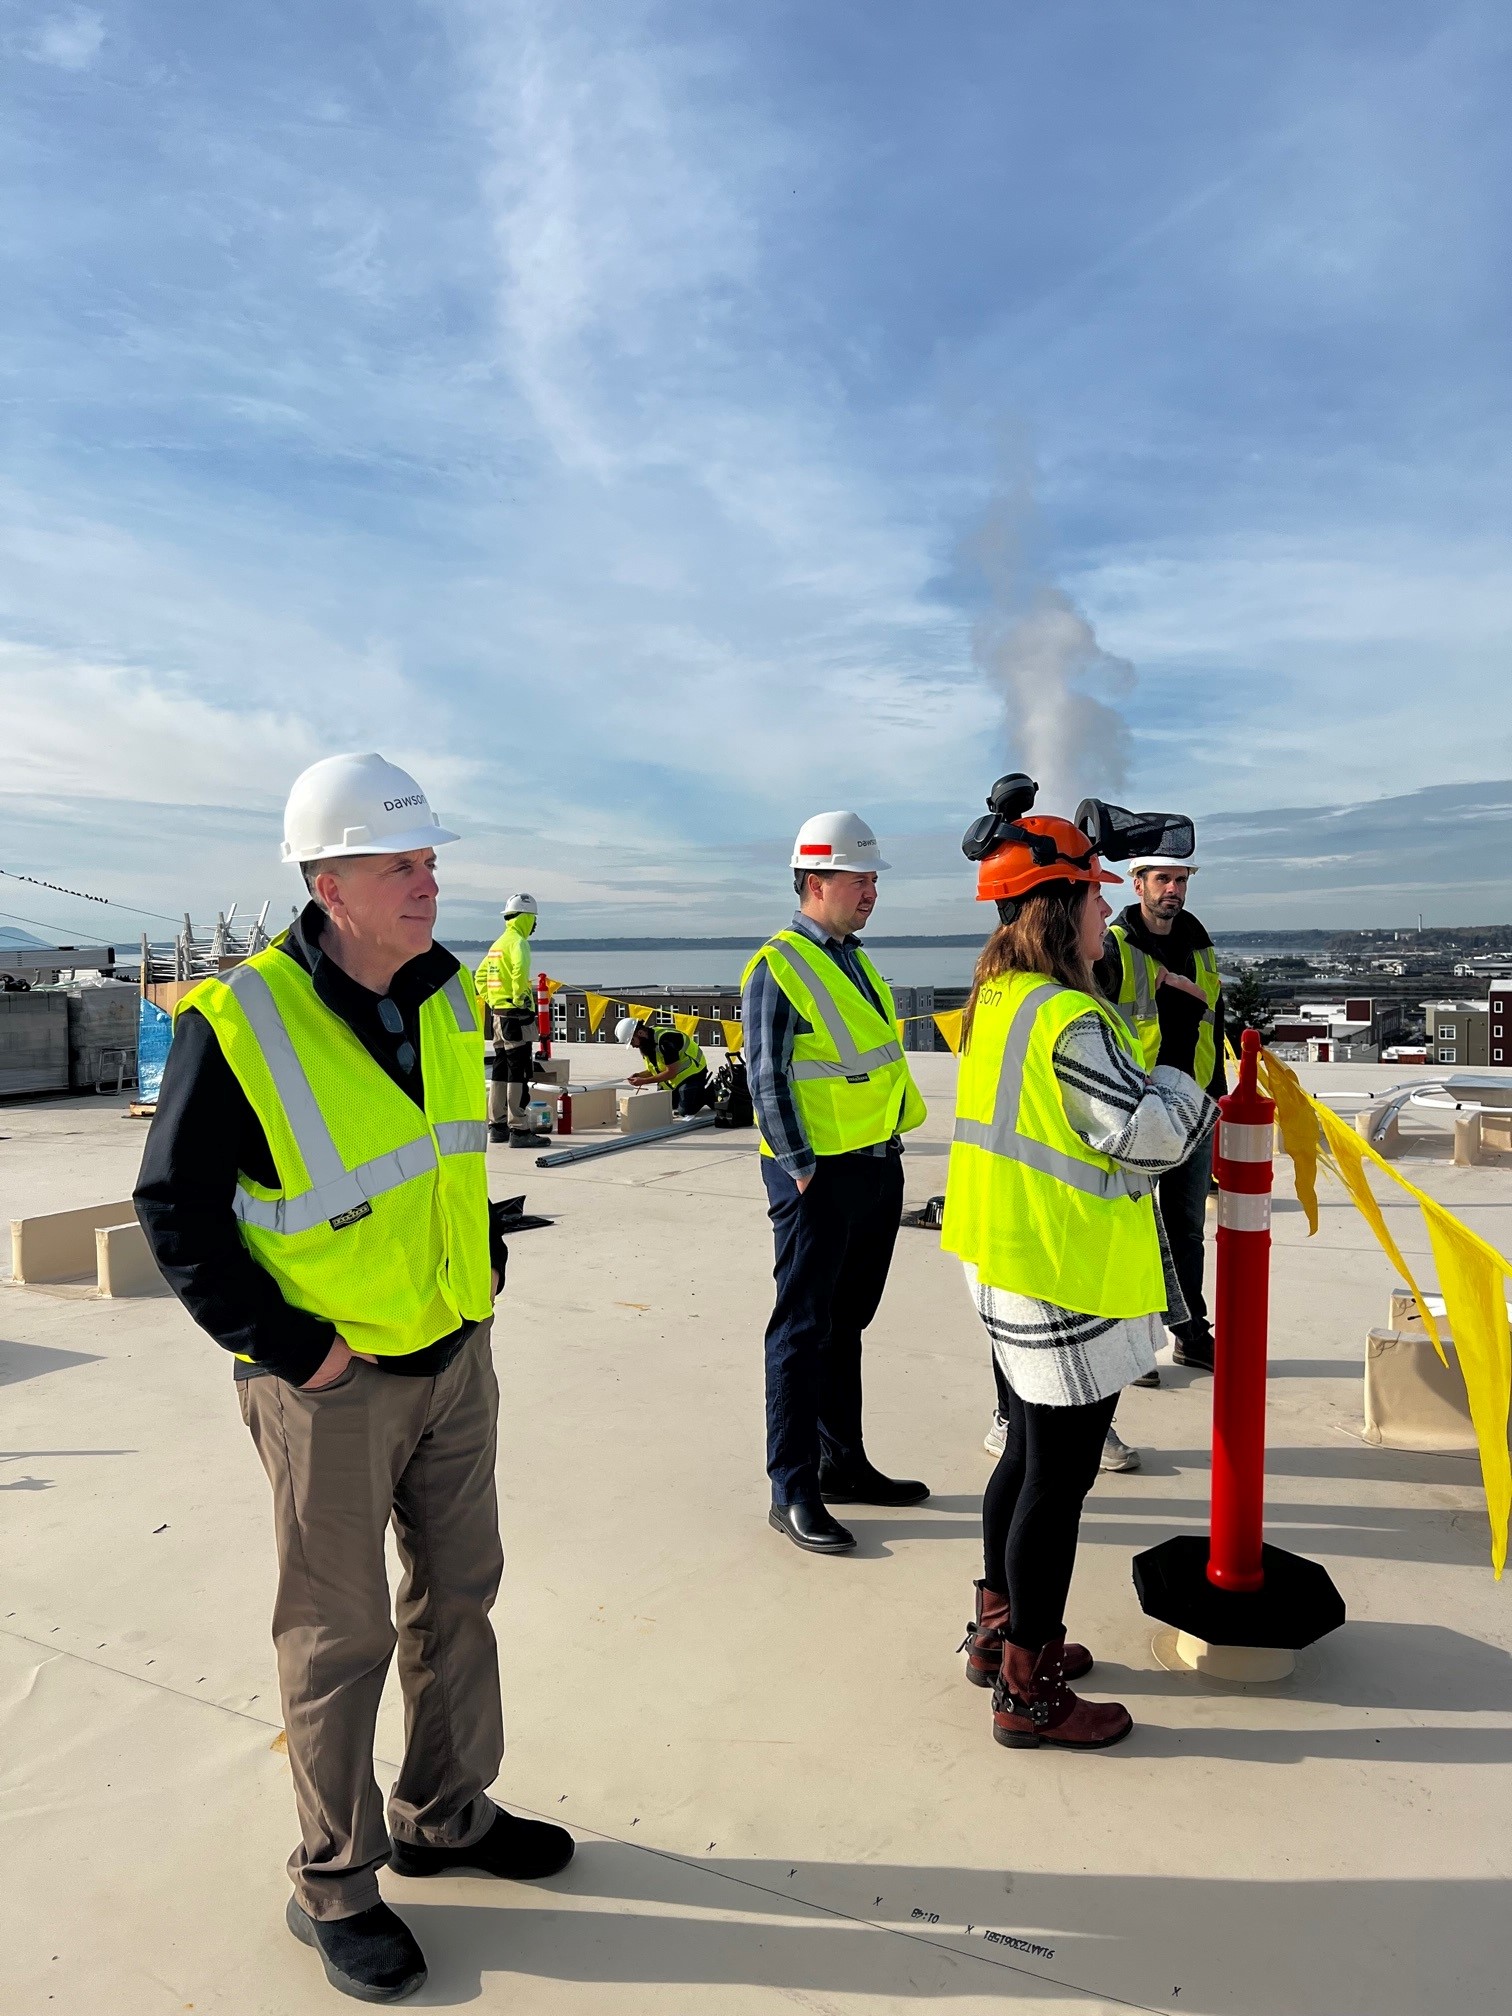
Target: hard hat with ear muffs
[[1017, 855]]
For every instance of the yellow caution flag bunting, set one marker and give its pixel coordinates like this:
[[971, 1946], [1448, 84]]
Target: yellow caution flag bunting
[[734, 1035], [948, 1022], [639, 1011], [686, 1025], [597, 1003], [1472, 1277]]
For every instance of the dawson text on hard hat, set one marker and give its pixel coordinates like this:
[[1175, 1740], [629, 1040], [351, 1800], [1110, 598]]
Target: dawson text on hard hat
[[358, 804], [836, 840]]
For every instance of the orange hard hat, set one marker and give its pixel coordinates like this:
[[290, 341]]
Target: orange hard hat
[[1019, 866]]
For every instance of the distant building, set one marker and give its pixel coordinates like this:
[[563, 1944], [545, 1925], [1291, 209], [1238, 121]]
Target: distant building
[[1459, 1033], [1499, 1014], [1352, 1031]]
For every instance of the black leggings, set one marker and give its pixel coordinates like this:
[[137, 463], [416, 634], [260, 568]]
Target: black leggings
[[1031, 1510]]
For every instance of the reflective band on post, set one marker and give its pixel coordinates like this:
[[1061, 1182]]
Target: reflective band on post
[[1242, 1142], [1242, 1212]]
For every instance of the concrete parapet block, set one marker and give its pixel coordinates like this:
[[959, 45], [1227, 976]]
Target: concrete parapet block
[[123, 1261], [60, 1245], [597, 1107], [1412, 1399], [1388, 1142], [1467, 1140], [1496, 1131], [640, 1111], [550, 1071]]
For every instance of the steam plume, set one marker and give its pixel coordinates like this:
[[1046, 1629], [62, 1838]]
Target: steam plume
[[1060, 688]]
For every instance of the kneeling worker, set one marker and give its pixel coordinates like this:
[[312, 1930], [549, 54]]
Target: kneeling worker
[[672, 1059], [508, 993], [833, 1093], [314, 1191]]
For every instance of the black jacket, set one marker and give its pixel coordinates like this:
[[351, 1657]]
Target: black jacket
[[205, 1132], [1179, 1014]]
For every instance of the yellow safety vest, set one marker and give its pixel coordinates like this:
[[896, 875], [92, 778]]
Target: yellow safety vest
[[851, 1084], [689, 1064], [1136, 1003], [1027, 1202], [379, 1218], [504, 977], [1136, 995]]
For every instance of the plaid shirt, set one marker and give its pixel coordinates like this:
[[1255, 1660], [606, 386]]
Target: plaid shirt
[[771, 1025]]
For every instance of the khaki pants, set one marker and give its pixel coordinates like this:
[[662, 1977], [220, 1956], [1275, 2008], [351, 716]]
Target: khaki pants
[[342, 1463]]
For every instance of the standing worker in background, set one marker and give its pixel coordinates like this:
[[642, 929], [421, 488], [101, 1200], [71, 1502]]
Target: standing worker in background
[[672, 1059], [508, 994], [833, 1093], [314, 1191], [1154, 953], [1060, 1135]]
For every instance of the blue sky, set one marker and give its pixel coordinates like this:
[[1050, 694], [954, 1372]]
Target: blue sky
[[640, 420]]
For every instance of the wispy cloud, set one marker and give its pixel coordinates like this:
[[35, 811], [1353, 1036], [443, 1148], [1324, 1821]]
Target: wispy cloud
[[67, 41]]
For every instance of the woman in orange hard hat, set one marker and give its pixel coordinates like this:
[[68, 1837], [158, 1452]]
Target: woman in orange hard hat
[[1060, 1134]]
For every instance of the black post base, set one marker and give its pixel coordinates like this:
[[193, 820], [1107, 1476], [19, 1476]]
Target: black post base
[[1298, 1604]]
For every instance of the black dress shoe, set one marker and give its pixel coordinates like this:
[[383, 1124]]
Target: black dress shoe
[[866, 1485], [373, 1956], [519, 1849], [808, 1525]]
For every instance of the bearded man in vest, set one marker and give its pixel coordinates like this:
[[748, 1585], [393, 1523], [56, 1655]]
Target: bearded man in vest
[[1154, 952], [314, 1191], [833, 1095]]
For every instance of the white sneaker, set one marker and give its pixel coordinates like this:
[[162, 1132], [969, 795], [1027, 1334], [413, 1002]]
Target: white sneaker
[[996, 1435], [1117, 1455]]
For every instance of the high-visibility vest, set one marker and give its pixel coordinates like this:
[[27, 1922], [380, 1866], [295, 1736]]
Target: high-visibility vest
[[379, 1218], [1136, 995], [1027, 1202], [851, 1084], [689, 1062], [1136, 1003], [504, 977]]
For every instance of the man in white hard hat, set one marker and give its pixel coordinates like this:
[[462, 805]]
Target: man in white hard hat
[[669, 1059], [833, 1094], [313, 1189], [1154, 949], [504, 980]]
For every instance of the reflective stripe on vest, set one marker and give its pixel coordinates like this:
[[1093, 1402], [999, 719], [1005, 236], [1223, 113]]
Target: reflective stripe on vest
[[1205, 963], [377, 1216], [1028, 1203], [850, 1089], [687, 1064], [335, 1187], [1000, 1135], [1136, 996]]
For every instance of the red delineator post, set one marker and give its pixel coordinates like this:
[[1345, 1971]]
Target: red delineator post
[[543, 1013], [1246, 1137]]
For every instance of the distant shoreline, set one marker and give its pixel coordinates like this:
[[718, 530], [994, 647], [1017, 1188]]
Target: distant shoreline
[[913, 941]]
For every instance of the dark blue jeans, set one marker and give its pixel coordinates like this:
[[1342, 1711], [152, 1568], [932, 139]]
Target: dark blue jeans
[[1183, 1208], [834, 1247]]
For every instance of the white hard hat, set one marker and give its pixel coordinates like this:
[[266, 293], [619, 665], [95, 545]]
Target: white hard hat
[[357, 805], [1142, 861], [520, 906], [836, 840], [625, 1028]]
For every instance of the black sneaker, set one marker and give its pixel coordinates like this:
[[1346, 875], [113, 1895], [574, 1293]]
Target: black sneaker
[[528, 1138], [1196, 1351], [522, 1850], [373, 1956]]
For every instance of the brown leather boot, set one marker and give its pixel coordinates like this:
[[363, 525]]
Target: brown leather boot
[[985, 1636], [1031, 1704]]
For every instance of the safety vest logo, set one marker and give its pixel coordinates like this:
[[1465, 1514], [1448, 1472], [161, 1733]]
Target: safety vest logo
[[353, 1217]]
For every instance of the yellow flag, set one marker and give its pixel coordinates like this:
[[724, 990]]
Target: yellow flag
[[597, 1003], [734, 1035], [640, 1011], [553, 986], [1472, 1280], [686, 1025], [1298, 1119], [948, 1022], [1474, 1287]]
